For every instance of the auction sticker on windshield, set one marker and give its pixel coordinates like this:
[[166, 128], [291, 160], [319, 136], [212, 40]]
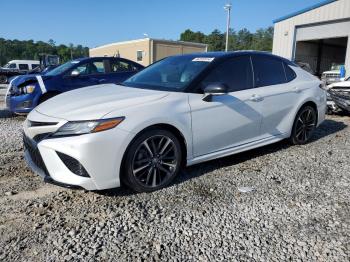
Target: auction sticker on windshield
[[203, 59]]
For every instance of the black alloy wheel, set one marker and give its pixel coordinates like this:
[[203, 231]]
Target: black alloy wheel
[[304, 125], [152, 161]]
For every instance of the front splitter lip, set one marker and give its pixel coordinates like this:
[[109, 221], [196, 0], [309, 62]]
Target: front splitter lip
[[45, 177]]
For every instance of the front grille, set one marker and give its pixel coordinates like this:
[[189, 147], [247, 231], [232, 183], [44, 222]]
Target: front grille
[[73, 165], [34, 153]]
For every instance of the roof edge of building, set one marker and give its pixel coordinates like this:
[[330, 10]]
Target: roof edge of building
[[307, 9], [148, 39]]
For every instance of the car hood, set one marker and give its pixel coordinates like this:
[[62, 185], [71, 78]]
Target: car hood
[[96, 101], [345, 84], [332, 72]]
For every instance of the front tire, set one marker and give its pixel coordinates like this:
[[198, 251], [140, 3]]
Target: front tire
[[152, 161], [304, 125]]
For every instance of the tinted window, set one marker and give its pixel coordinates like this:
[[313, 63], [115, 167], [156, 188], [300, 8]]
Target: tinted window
[[12, 66], [268, 71], [122, 66], [236, 73], [290, 74], [23, 67], [35, 66]]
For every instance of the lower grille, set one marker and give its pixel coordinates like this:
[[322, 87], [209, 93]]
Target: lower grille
[[34, 153], [73, 165]]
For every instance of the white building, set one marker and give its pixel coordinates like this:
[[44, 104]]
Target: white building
[[318, 35]]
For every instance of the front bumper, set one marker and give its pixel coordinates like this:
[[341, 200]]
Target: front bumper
[[20, 104], [100, 154]]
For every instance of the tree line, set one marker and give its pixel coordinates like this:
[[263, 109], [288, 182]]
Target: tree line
[[238, 40], [30, 50]]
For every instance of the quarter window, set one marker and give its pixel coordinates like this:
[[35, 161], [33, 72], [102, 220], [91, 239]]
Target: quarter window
[[268, 71], [236, 73], [290, 74]]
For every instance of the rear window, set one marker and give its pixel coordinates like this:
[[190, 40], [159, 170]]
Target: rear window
[[268, 71]]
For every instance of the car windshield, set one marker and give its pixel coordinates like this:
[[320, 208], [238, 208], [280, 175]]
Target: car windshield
[[336, 67], [7, 65], [170, 74], [62, 68]]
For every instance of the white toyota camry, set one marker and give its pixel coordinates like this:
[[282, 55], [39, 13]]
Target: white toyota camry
[[180, 111]]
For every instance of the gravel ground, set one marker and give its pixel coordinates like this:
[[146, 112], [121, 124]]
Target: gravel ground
[[298, 210]]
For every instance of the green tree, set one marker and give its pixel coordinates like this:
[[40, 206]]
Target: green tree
[[15, 49]]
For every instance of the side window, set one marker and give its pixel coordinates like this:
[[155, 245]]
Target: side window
[[13, 66], [35, 66], [139, 55], [83, 69], [23, 66], [122, 66], [97, 67], [268, 71], [290, 74], [236, 73]]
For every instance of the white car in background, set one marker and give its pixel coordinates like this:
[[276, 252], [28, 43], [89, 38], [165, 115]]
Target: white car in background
[[180, 111]]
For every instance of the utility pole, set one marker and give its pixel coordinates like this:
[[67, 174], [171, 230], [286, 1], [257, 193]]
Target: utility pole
[[227, 7]]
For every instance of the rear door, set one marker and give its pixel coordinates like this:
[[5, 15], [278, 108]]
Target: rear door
[[228, 120], [277, 91], [121, 69]]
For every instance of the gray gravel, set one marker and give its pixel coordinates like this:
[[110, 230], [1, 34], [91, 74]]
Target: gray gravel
[[298, 209]]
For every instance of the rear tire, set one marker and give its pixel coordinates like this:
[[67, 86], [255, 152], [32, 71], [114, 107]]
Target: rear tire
[[3, 79], [152, 161], [304, 125]]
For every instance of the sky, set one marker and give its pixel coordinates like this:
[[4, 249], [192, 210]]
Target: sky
[[96, 22]]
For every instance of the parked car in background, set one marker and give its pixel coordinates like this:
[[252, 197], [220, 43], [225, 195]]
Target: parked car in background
[[338, 96], [16, 67], [332, 76], [23, 67], [26, 92], [179, 111]]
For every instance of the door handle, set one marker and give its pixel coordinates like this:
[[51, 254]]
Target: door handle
[[296, 90], [256, 98]]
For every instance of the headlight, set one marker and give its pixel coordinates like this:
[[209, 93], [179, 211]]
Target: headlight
[[85, 127], [26, 89]]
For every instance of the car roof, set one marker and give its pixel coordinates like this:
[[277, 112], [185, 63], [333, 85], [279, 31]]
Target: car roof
[[222, 54]]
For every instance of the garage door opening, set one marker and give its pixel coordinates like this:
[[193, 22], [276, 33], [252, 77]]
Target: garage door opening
[[323, 54]]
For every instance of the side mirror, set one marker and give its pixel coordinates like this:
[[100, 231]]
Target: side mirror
[[214, 90], [75, 73]]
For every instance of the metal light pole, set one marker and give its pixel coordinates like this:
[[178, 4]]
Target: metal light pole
[[227, 7]]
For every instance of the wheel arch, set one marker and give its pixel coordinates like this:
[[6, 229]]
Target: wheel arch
[[163, 126]]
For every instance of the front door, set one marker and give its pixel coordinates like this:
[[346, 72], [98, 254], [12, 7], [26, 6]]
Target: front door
[[90, 73], [228, 120]]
